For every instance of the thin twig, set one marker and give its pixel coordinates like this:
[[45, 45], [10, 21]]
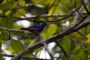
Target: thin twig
[[32, 18], [45, 46], [41, 16], [82, 34], [65, 53]]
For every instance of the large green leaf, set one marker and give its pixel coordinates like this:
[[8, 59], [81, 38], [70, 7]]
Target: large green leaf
[[17, 46], [66, 44]]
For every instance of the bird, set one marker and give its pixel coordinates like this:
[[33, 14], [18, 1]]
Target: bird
[[36, 30]]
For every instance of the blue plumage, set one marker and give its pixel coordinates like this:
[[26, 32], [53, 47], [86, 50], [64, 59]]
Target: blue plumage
[[36, 29]]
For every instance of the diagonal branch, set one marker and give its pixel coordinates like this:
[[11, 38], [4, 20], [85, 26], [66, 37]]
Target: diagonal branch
[[79, 12]]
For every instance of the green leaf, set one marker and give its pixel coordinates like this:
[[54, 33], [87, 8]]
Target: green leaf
[[88, 40], [20, 12], [78, 37], [9, 49], [17, 46], [31, 55], [54, 10], [88, 29], [88, 47], [4, 35], [8, 5], [66, 44], [21, 3], [38, 50], [2, 58], [49, 32], [6, 22], [78, 50], [79, 57], [79, 53], [88, 43], [51, 2], [85, 30]]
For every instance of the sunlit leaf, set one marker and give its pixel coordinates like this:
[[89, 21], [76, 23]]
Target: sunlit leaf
[[8, 5], [17, 46], [88, 40], [21, 3], [88, 43], [20, 12], [54, 10], [50, 31], [50, 2], [7, 12], [9, 49]]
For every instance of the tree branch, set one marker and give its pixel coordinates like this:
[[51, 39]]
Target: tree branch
[[5, 55], [12, 30], [32, 18], [79, 12]]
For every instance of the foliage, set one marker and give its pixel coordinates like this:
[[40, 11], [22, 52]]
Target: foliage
[[55, 13]]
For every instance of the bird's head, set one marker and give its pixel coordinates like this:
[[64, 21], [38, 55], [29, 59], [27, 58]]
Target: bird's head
[[44, 24]]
